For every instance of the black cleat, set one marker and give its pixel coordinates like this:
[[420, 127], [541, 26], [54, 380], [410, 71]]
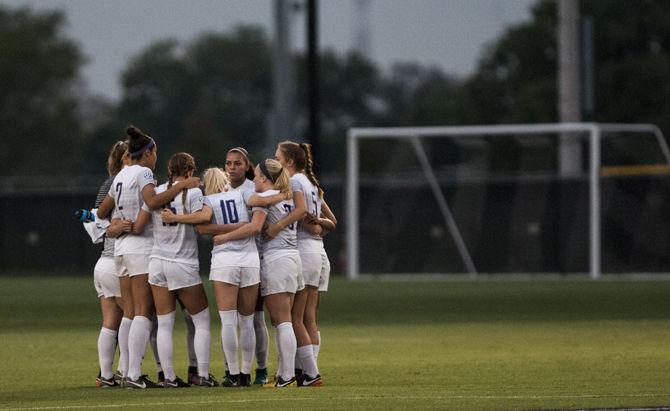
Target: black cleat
[[176, 383], [193, 375], [209, 381], [231, 381], [141, 383], [244, 380], [305, 380]]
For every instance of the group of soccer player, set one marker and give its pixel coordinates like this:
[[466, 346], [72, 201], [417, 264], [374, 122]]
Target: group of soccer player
[[266, 221]]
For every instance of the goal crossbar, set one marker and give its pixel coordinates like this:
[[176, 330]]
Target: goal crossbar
[[596, 132]]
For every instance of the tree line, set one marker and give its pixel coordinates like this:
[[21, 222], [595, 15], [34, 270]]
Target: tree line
[[213, 92]]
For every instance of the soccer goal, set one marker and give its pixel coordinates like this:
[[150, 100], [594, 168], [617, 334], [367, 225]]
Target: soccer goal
[[491, 199]]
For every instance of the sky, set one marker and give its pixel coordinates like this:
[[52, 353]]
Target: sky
[[450, 34]]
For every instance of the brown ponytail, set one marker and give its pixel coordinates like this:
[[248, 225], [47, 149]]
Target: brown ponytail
[[115, 158], [309, 167], [180, 164]]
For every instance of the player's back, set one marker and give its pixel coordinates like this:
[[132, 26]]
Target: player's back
[[174, 241], [126, 190], [286, 240], [230, 207]]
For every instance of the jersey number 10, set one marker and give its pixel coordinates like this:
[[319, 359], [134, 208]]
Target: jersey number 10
[[229, 212]]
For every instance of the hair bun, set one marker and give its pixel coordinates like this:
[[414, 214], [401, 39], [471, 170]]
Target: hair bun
[[133, 131]]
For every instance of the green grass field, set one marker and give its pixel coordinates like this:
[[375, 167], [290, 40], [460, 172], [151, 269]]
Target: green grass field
[[445, 345]]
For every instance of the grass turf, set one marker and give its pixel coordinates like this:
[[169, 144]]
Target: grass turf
[[453, 345]]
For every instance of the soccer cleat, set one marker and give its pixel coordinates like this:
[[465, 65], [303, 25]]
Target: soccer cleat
[[161, 378], [118, 377], [193, 375], [205, 381], [261, 376], [280, 383], [176, 383], [103, 382], [141, 383], [231, 381], [244, 380], [305, 380]]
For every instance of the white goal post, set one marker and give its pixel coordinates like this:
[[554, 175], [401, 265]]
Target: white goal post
[[595, 132]]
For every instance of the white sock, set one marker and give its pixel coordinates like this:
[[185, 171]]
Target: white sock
[[138, 338], [164, 341], [247, 341], [154, 343], [307, 361], [229, 339], [278, 352], [262, 339], [190, 335], [317, 347], [287, 348], [106, 350], [202, 338], [124, 330]]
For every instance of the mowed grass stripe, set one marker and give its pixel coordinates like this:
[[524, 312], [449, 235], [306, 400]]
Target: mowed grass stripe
[[470, 345]]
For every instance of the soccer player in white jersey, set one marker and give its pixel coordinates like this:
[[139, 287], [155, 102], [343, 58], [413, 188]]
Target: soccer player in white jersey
[[240, 172], [174, 272], [132, 187], [297, 159], [235, 267], [106, 281], [280, 268]]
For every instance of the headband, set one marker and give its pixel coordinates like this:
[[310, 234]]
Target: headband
[[242, 151], [146, 147], [266, 172]]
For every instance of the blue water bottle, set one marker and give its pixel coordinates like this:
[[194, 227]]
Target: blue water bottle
[[84, 215]]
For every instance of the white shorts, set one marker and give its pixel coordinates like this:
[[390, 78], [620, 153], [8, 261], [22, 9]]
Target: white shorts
[[281, 275], [173, 275], [239, 276], [315, 269], [132, 264], [105, 280]]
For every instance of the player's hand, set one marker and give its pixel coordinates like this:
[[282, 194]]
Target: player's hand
[[311, 219], [167, 215], [220, 239], [271, 231], [191, 182], [127, 225]]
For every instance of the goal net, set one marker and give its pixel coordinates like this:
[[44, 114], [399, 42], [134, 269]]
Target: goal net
[[491, 199]]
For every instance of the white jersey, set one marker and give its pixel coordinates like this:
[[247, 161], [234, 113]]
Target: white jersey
[[174, 241], [127, 193], [307, 242], [230, 207], [248, 185], [286, 242]]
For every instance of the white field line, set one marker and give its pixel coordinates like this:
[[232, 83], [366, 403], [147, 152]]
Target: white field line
[[356, 398]]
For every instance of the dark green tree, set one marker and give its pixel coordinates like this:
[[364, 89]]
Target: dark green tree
[[39, 125], [202, 97]]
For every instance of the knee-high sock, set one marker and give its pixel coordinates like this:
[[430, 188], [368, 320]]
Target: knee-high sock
[[247, 341], [287, 347], [262, 339], [190, 335], [138, 338], [164, 342], [106, 350], [307, 362], [202, 338], [229, 339], [154, 344], [317, 347], [124, 330]]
